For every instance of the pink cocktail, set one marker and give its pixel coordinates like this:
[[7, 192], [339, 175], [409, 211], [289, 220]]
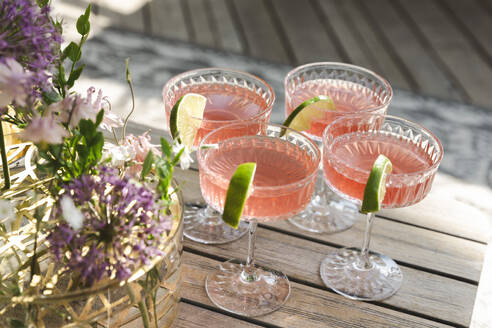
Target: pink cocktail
[[350, 147], [232, 96], [361, 150], [353, 90], [286, 170]]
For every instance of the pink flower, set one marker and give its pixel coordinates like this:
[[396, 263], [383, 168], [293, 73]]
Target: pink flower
[[110, 120], [44, 130], [13, 79], [84, 108], [142, 145]]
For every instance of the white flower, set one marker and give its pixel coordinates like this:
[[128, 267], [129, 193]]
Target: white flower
[[12, 83], [71, 213], [44, 129], [118, 154], [185, 160], [7, 209]]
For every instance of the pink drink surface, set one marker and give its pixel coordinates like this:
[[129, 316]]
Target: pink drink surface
[[350, 157], [348, 97], [225, 104], [279, 189]]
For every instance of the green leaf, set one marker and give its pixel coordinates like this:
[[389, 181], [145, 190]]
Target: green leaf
[[51, 97], [74, 75], [60, 77], [99, 117], [73, 52], [177, 157], [98, 147], [87, 128], [15, 323], [83, 25], [147, 164], [164, 172], [42, 3], [166, 148]]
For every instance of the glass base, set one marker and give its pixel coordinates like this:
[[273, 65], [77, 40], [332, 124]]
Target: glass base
[[327, 214], [231, 291], [205, 225], [343, 272]]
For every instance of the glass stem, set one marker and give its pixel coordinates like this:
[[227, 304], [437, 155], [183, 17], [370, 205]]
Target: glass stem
[[248, 274], [364, 253], [212, 217]]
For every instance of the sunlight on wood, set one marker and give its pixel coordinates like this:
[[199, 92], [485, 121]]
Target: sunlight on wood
[[483, 302], [125, 7]]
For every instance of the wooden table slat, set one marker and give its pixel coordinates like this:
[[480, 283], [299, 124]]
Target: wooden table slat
[[130, 17], [385, 64], [453, 207], [307, 46], [406, 243], [201, 24], [414, 57], [263, 41], [228, 36], [167, 19], [306, 306], [191, 316], [472, 72], [429, 294], [475, 21]]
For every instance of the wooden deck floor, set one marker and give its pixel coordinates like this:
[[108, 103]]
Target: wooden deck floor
[[440, 48]]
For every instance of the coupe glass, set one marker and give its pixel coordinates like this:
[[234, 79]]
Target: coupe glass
[[232, 96], [350, 146], [353, 90], [287, 165]]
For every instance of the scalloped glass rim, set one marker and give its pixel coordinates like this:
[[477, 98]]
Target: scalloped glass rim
[[297, 184], [347, 67], [211, 70], [414, 125]]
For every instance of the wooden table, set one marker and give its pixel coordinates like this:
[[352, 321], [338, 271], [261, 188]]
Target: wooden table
[[439, 243]]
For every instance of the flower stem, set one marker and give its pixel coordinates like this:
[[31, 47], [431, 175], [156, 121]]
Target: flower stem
[[5, 164], [141, 306], [130, 84], [145, 313]]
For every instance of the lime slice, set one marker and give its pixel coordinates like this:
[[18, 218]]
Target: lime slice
[[186, 117], [237, 193], [376, 185], [300, 119]]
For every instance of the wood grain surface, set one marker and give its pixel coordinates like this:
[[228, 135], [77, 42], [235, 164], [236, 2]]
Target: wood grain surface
[[429, 288]]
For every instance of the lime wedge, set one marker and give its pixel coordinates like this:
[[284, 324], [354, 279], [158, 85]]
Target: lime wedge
[[237, 193], [300, 119], [185, 118], [376, 185]]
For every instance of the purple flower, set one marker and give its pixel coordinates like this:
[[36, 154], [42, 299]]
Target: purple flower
[[28, 35], [122, 229]]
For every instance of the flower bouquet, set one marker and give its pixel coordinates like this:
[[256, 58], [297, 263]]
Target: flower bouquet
[[90, 231]]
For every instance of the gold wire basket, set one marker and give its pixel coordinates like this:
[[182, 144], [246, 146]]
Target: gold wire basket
[[50, 297]]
